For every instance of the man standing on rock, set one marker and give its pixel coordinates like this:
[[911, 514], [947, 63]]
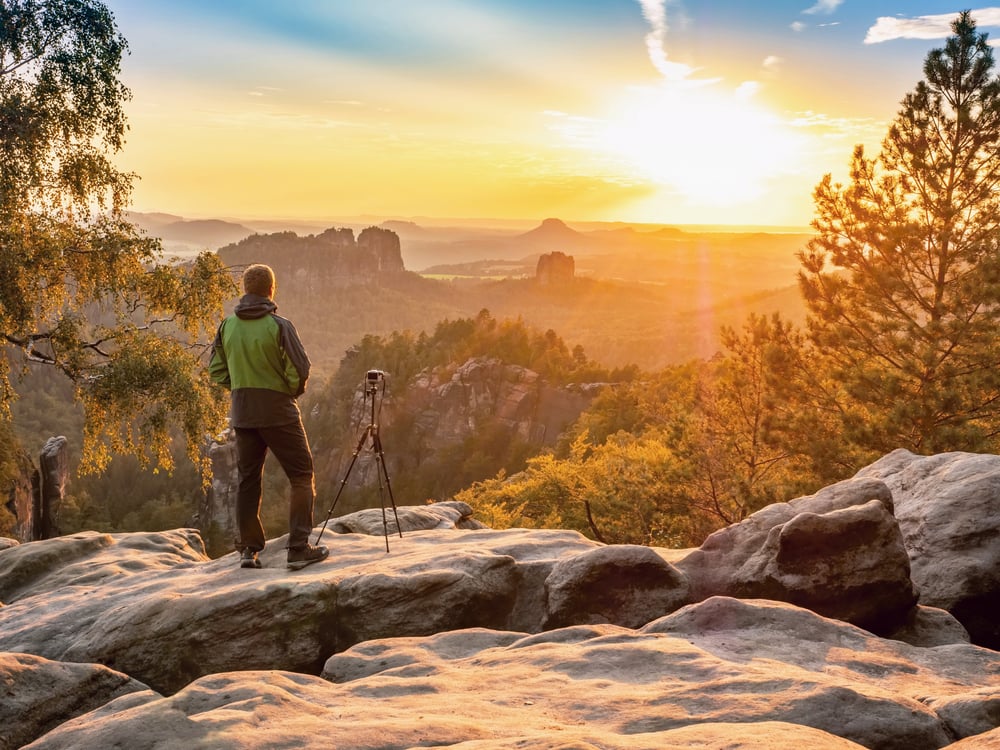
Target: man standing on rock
[[258, 356]]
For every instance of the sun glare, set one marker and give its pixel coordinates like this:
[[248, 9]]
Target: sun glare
[[711, 147]]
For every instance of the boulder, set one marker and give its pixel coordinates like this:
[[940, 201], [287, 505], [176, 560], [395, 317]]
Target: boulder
[[449, 514], [930, 626], [39, 694], [948, 509], [838, 552], [623, 584], [970, 714]]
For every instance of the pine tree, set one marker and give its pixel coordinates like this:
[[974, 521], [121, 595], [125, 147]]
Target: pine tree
[[902, 281]]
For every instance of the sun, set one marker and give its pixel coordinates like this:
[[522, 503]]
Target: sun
[[712, 147]]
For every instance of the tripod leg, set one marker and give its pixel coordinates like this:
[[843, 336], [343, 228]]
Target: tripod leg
[[381, 499], [377, 440], [343, 482]]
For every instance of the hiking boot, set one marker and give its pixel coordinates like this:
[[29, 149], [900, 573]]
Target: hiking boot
[[299, 557], [248, 559]]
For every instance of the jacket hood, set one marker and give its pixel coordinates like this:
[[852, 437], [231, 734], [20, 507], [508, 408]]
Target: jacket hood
[[252, 306]]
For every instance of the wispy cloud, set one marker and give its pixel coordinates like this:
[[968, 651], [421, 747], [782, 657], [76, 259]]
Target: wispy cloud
[[888, 28], [655, 13], [263, 90], [824, 7], [772, 62], [798, 26]]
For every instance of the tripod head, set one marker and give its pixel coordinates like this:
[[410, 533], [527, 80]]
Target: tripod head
[[372, 380]]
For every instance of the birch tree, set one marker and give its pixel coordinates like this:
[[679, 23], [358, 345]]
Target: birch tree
[[81, 289]]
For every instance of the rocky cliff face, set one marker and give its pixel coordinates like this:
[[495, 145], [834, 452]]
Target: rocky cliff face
[[445, 406], [21, 494], [333, 255], [337, 289], [555, 269], [478, 638], [35, 495], [453, 403]]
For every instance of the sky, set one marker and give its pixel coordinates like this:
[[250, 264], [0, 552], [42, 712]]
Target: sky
[[654, 111]]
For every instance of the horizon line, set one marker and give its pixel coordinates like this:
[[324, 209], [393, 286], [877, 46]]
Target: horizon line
[[478, 221]]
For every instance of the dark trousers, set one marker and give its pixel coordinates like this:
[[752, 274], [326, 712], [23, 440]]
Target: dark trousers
[[289, 444]]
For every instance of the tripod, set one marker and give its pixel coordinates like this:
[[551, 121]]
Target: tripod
[[370, 433]]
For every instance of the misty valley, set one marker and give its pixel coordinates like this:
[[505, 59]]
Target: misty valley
[[623, 301], [647, 298]]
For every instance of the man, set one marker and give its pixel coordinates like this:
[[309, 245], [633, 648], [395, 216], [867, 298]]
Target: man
[[258, 356]]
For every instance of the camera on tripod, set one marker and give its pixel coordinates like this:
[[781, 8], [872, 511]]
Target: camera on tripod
[[370, 438]]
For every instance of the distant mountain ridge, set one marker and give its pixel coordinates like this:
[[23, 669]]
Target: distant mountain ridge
[[554, 234], [645, 296], [177, 232]]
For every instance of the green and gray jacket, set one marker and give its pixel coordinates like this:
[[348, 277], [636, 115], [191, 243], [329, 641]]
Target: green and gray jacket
[[258, 356]]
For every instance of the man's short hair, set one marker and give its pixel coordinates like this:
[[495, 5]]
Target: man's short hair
[[259, 279]]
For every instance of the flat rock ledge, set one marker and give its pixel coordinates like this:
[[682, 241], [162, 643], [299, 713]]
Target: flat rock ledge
[[861, 616]]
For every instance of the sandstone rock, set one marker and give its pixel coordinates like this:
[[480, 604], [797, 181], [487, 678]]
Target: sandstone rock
[[454, 405], [930, 626], [53, 473], [970, 714], [217, 511], [447, 634], [756, 632], [554, 269], [986, 741], [625, 585], [948, 508], [383, 245], [90, 559], [154, 607], [838, 552], [39, 694], [719, 674], [19, 496], [332, 255], [449, 514]]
